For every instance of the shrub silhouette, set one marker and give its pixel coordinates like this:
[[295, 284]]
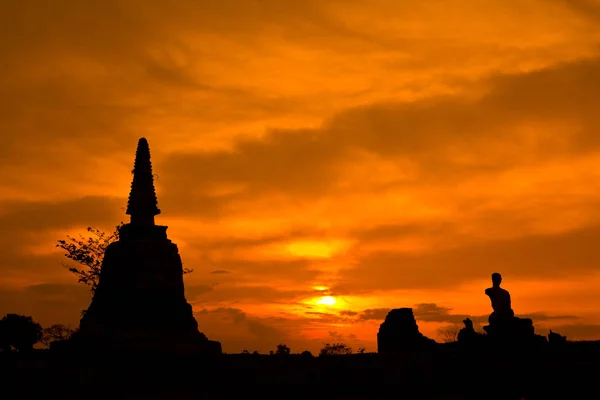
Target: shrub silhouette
[[56, 332], [449, 333], [335, 349], [282, 350], [306, 354], [20, 332]]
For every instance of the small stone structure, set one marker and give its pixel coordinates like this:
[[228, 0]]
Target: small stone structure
[[140, 303], [556, 339], [467, 335], [400, 333]]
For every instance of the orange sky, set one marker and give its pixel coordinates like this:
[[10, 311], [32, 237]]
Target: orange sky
[[385, 153]]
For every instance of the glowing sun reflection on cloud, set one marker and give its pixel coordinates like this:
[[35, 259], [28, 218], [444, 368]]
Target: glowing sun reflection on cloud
[[327, 301], [316, 249]]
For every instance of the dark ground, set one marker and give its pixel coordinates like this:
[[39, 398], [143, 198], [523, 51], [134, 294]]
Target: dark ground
[[447, 373]]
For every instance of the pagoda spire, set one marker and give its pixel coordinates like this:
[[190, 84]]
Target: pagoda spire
[[142, 205]]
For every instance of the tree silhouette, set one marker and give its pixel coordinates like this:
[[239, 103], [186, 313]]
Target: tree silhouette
[[282, 350], [56, 332], [449, 333], [335, 349], [89, 253], [20, 332], [306, 354]]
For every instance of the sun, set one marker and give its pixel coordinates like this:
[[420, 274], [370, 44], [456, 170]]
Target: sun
[[326, 301]]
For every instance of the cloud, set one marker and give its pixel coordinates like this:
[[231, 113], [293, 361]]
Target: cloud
[[18, 263], [264, 331], [294, 269], [87, 211], [540, 316], [29, 225], [588, 9], [195, 290], [578, 331], [48, 303], [348, 313], [541, 256], [219, 272], [375, 314], [431, 312], [88, 93], [336, 336], [419, 141], [473, 220], [237, 292], [235, 329]]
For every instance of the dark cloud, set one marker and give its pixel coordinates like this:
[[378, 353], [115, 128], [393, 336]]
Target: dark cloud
[[239, 242], [336, 335], [50, 290], [77, 27], [540, 316], [86, 94], [264, 331], [179, 201], [25, 224], [237, 292], [387, 232], [374, 314], [348, 313], [16, 260], [219, 272], [297, 270], [578, 331], [88, 211], [318, 318], [235, 329], [195, 290], [424, 133], [48, 303], [289, 162], [589, 9], [431, 312]]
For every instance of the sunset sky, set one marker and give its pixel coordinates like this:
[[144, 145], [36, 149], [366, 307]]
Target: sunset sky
[[318, 162]]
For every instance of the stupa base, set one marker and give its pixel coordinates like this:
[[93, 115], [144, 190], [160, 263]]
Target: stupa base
[[177, 347]]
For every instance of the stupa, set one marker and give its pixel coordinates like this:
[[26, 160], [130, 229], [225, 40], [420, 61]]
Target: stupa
[[139, 303], [399, 333]]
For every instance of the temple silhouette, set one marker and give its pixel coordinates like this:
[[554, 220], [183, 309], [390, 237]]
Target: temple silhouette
[[399, 332], [139, 303]]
